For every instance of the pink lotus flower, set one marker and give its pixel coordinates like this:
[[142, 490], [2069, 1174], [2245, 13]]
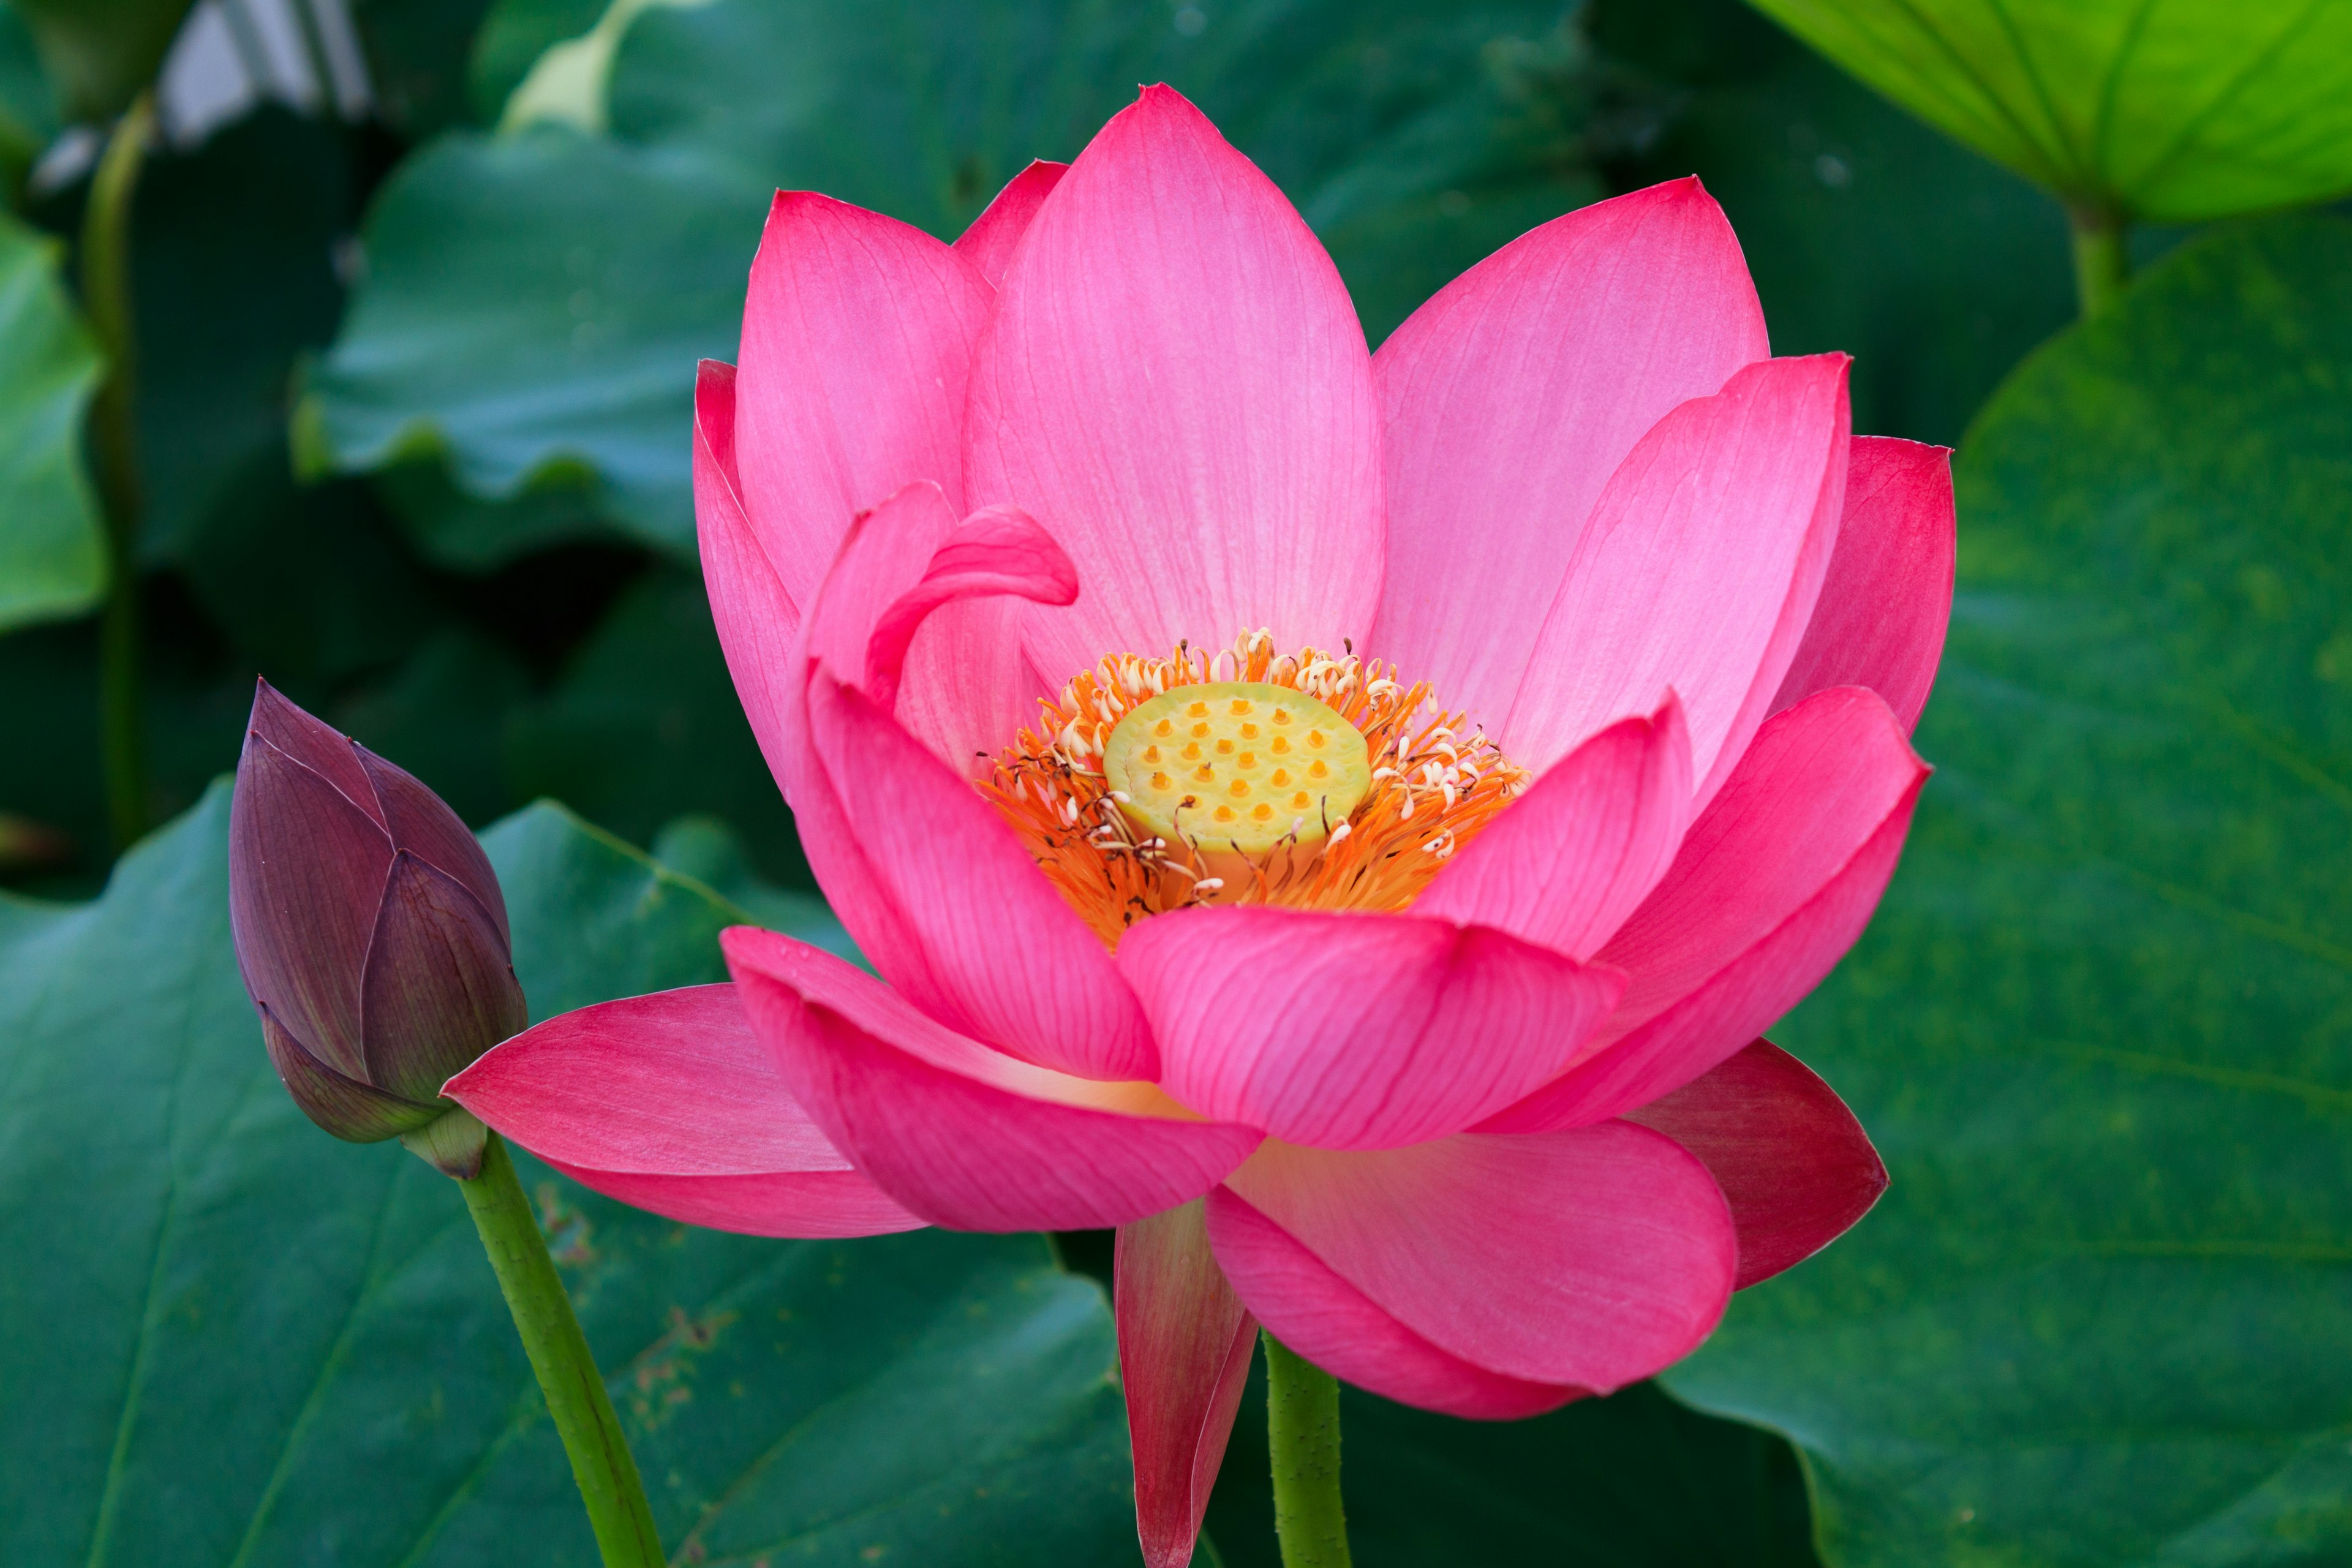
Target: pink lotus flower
[[1450, 760]]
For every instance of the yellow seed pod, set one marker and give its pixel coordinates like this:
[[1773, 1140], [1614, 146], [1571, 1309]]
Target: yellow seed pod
[[1232, 799]]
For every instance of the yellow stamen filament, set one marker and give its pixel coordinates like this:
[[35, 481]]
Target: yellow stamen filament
[[1434, 783]]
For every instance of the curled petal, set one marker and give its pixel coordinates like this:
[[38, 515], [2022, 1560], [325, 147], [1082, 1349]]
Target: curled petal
[[965, 1136], [916, 613], [996, 233], [671, 1102], [1580, 1259], [1888, 595], [995, 553], [1184, 1345], [1796, 1166], [1356, 1031]]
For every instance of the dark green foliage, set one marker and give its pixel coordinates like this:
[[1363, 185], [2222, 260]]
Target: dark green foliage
[[227, 1338], [2099, 1028]]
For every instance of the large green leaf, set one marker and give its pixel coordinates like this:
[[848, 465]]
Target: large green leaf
[[535, 301], [52, 553], [2099, 1028], [2177, 112], [227, 1339]]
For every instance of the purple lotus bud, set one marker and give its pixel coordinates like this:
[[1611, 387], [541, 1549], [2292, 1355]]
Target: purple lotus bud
[[370, 933]]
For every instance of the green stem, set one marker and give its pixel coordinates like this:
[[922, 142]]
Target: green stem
[[584, 1418], [1302, 1430], [114, 447], [2101, 260]]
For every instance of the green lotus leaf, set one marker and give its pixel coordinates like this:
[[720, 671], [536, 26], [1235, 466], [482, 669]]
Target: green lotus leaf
[[2176, 111]]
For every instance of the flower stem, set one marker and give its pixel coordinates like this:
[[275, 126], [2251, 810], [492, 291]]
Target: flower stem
[[1302, 1429], [114, 449], [584, 1418], [2102, 260]]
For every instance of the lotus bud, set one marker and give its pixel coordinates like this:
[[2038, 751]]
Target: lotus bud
[[371, 934]]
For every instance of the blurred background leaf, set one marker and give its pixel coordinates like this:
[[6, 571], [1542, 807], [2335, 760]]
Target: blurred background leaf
[[2099, 1028], [29, 108], [2175, 113], [52, 544], [100, 54], [513, 330], [248, 1344]]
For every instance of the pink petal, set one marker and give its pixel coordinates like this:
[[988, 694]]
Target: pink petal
[[1884, 606], [1585, 1259], [994, 553], [857, 335], [1510, 398], [1698, 570], [989, 947], [1184, 1344], [1795, 1164], [1338, 1328], [1175, 384], [759, 622], [989, 242], [671, 1103], [928, 879], [965, 1136], [1573, 857], [1773, 886], [912, 614], [1355, 1031]]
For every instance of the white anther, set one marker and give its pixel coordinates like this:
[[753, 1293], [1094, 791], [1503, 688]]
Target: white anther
[[1342, 831], [1208, 884]]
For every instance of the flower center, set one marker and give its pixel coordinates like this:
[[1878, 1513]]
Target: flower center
[[1236, 766], [1151, 785]]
